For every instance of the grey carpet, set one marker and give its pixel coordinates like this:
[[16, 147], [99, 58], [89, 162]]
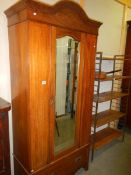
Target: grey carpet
[[113, 159]]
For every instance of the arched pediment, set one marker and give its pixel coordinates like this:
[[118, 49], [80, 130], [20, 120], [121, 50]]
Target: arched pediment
[[65, 13]]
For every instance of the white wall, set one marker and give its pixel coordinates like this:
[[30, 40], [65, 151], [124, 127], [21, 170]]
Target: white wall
[[110, 13], [107, 11], [4, 65]]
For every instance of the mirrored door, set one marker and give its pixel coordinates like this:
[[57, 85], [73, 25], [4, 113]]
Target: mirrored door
[[67, 68]]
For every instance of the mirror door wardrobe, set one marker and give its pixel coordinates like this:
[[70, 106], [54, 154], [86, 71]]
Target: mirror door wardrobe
[[54, 47]]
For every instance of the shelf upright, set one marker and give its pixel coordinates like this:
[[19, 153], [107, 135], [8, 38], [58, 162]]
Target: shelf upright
[[99, 63]]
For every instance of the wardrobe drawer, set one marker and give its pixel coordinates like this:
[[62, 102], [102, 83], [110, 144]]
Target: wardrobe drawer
[[68, 165]]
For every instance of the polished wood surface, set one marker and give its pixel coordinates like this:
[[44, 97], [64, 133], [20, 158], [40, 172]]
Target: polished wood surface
[[66, 14], [88, 49], [39, 106], [66, 165], [19, 66], [115, 77], [33, 76], [60, 32], [30, 97], [127, 72], [4, 138], [107, 116], [121, 58], [105, 136], [106, 96]]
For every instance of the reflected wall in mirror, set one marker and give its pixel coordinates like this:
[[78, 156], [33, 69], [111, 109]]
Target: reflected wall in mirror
[[67, 66]]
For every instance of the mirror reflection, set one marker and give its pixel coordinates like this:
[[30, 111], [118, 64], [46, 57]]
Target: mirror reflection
[[67, 64]]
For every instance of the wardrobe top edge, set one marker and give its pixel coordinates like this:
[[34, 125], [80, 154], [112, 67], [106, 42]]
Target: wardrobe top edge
[[56, 11]]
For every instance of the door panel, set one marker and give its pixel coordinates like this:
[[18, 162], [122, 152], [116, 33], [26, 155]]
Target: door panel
[[40, 61], [84, 93]]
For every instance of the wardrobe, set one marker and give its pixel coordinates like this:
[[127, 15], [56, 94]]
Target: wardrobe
[[52, 61]]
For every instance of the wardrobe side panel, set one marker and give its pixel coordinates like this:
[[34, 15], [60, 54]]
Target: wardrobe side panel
[[88, 50], [40, 60], [19, 67]]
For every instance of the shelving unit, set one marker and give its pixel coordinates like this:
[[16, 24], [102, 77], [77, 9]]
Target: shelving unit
[[101, 137]]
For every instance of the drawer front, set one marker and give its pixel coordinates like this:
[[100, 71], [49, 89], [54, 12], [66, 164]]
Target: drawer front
[[68, 165], [65, 166]]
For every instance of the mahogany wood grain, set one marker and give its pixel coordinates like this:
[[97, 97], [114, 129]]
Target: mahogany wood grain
[[109, 95], [60, 32], [107, 116], [127, 71], [52, 94], [88, 50], [33, 29], [39, 101], [19, 66], [105, 136], [66, 165], [66, 14], [4, 138], [111, 77]]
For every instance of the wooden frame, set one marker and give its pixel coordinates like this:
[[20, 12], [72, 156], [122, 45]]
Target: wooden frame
[[55, 15], [33, 28], [58, 33]]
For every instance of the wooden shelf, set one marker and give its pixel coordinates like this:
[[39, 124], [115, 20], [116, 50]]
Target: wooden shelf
[[110, 58], [120, 58], [116, 77], [107, 116], [105, 136], [106, 96]]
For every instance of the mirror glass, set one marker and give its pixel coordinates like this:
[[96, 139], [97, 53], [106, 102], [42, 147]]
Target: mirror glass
[[67, 66]]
